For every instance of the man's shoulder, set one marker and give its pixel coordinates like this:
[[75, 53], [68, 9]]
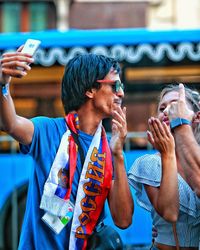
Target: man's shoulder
[[49, 126], [48, 121]]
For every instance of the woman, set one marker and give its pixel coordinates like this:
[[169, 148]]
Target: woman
[[160, 183]]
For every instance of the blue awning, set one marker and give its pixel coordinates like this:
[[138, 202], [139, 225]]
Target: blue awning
[[125, 45], [106, 37]]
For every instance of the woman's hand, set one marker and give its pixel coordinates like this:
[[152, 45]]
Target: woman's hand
[[160, 136], [180, 108]]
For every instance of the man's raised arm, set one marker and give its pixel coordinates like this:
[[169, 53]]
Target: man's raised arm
[[18, 127]]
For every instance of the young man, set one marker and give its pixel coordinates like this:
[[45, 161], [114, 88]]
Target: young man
[[71, 180]]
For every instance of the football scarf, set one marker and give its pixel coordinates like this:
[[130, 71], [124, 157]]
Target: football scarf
[[93, 187]]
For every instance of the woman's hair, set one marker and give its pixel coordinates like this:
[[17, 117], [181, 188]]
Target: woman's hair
[[192, 97], [81, 75]]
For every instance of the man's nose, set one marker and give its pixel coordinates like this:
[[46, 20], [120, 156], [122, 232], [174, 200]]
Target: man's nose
[[120, 93]]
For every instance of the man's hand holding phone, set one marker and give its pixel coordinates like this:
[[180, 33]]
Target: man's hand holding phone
[[30, 48], [16, 64]]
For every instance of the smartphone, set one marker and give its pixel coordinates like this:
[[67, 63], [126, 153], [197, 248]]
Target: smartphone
[[30, 47]]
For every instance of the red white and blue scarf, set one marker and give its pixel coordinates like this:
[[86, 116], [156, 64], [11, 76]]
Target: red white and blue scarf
[[93, 187]]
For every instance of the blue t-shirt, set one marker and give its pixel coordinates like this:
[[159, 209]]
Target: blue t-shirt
[[47, 135]]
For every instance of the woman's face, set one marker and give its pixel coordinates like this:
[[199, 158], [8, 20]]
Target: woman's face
[[166, 100]]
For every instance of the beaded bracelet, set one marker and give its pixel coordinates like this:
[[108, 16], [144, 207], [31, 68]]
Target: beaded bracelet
[[4, 89]]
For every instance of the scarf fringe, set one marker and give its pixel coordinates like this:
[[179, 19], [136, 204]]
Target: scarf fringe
[[54, 205]]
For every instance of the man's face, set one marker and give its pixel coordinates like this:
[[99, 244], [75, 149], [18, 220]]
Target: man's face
[[110, 94]]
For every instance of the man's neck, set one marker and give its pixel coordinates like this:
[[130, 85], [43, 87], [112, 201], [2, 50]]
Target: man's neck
[[88, 122]]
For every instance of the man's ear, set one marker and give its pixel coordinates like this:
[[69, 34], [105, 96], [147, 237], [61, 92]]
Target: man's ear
[[90, 93]]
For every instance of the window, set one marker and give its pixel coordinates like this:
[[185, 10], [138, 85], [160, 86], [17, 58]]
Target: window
[[27, 16], [38, 16], [11, 10]]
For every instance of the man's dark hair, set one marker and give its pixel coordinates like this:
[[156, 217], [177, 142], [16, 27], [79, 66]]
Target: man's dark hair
[[81, 74]]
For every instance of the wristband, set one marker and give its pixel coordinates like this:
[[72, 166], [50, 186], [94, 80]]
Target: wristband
[[4, 89], [178, 122]]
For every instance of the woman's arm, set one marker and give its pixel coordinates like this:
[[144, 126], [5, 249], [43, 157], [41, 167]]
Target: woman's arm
[[165, 198], [188, 149], [189, 154]]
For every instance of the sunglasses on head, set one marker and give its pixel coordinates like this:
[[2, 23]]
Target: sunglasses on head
[[116, 85]]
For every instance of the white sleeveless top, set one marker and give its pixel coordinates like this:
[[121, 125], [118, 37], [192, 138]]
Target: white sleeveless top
[[148, 170]]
